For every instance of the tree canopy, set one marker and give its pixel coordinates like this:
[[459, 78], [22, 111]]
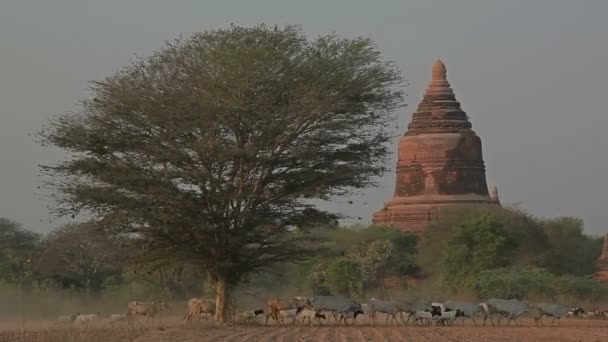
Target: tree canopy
[[81, 256], [18, 247], [210, 149], [474, 246], [472, 240]]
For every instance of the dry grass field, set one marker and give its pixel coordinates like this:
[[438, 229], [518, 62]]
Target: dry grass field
[[171, 329]]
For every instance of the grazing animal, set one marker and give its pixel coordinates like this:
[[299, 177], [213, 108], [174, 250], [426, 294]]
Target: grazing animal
[[338, 306], [589, 314], [247, 316], [304, 302], [440, 306], [551, 310], [467, 310], [350, 313], [575, 312], [117, 317], [511, 309], [310, 315], [290, 313], [447, 317], [147, 309], [66, 318], [389, 308], [275, 305], [367, 309], [441, 315], [424, 317], [199, 307], [406, 307], [86, 319]]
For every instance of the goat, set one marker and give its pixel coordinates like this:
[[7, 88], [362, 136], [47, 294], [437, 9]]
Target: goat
[[310, 315], [290, 313], [247, 316], [85, 319], [424, 317]]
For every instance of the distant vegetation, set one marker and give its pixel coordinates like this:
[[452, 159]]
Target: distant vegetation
[[480, 252]]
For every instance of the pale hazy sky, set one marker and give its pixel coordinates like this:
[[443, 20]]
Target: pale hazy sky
[[532, 76]]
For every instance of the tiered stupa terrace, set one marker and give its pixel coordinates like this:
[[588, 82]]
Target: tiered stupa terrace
[[440, 162]]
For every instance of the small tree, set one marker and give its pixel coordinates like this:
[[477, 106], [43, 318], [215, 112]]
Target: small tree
[[81, 255], [344, 278], [16, 245], [475, 246], [374, 263], [211, 149], [569, 251], [20, 256]]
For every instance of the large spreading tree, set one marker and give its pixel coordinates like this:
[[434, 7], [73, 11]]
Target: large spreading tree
[[210, 150]]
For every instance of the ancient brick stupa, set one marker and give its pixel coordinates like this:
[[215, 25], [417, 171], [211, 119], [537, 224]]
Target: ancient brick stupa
[[439, 163], [602, 263]]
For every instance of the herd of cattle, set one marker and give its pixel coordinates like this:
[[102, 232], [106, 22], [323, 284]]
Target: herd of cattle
[[446, 314], [319, 309]]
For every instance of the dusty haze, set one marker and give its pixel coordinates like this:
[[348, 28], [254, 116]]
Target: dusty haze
[[531, 76]]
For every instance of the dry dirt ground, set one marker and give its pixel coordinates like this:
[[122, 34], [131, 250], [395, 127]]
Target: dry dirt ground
[[173, 329]]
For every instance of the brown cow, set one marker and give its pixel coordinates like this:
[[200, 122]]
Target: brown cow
[[148, 309], [274, 305], [199, 306]]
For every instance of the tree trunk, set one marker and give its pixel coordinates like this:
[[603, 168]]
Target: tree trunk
[[222, 293], [382, 289], [21, 315], [87, 289]]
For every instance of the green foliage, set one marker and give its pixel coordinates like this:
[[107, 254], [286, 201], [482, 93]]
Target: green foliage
[[558, 245], [505, 252], [376, 251], [570, 251], [474, 246], [344, 277], [518, 283], [531, 282], [583, 288], [349, 240], [523, 229], [374, 260], [81, 256], [20, 250]]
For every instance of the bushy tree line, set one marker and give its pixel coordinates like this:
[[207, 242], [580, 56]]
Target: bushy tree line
[[82, 258], [531, 282], [353, 261], [485, 250], [508, 253]]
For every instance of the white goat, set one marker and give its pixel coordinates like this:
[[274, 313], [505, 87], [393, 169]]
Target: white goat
[[310, 315], [85, 319], [424, 317], [447, 317], [117, 317], [291, 313], [66, 318], [247, 316]]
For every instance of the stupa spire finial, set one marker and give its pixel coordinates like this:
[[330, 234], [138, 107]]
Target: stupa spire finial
[[439, 70]]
